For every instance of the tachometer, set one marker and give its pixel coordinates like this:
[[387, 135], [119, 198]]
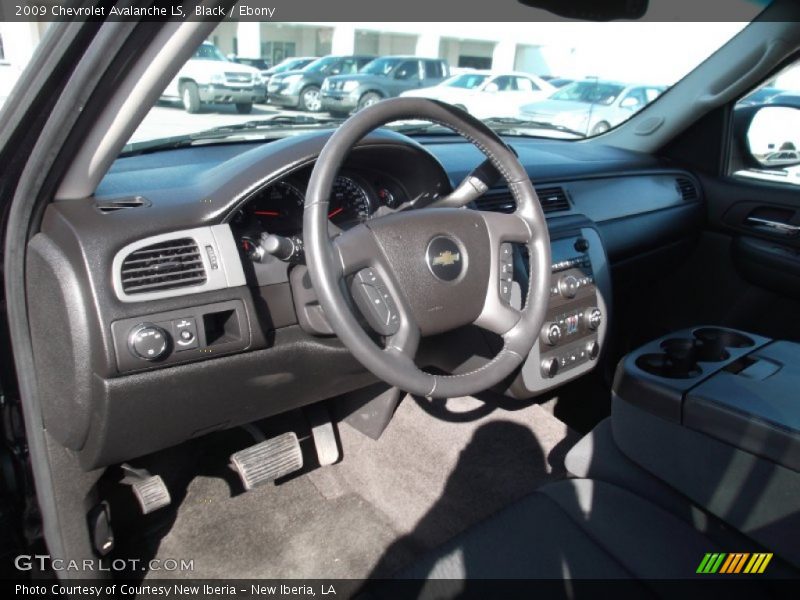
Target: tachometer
[[349, 202], [279, 209]]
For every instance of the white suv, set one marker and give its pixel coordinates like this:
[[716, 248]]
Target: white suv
[[209, 77]]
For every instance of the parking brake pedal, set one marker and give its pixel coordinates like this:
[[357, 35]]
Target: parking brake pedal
[[150, 490], [268, 460]]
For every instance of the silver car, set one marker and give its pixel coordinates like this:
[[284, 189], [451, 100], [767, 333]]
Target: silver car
[[592, 106]]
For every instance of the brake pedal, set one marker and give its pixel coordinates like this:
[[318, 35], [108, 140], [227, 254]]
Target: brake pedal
[[150, 490], [268, 460]]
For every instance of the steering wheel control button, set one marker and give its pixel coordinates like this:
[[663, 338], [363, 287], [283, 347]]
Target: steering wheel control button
[[550, 367], [551, 334], [185, 334], [593, 318], [445, 259], [506, 268], [375, 303], [568, 286], [148, 342]]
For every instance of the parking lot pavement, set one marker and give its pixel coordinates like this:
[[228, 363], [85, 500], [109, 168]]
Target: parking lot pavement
[[166, 120]]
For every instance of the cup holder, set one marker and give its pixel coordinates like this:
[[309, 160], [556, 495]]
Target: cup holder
[[724, 338], [678, 361], [680, 356]]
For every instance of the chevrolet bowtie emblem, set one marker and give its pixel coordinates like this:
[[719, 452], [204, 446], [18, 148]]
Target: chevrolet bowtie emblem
[[446, 258]]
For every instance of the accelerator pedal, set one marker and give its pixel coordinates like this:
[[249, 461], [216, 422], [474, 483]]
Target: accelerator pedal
[[150, 490], [323, 434], [268, 460]]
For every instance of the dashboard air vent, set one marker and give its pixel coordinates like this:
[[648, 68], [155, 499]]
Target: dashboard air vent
[[502, 203], [553, 199], [686, 188], [164, 266], [109, 206]]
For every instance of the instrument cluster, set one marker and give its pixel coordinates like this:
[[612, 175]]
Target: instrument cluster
[[355, 198]]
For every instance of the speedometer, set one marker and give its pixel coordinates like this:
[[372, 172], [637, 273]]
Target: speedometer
[[279, 209], [349, 202]]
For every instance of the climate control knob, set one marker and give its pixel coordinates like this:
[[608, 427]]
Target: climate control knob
[[568, 286], [593, 318], [593, 350], [550, 367], [551, 334], [148, 341]]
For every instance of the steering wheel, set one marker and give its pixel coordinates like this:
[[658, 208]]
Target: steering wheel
[[421, 272]]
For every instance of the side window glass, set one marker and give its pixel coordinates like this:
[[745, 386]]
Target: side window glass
[[526, 85], [407, 70], [433, 69], [770, 150]]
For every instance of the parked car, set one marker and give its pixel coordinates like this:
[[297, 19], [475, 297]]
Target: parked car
[[294, 63], [208, 77], [384, 77], [262, 64], [760, 96], [300, 88], [786, 98], [592, 106], [485, 94], [559, 82]]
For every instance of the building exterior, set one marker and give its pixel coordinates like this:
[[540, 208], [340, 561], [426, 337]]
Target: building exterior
[[498, 46]]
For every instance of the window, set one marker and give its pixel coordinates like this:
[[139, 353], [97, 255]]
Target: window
[[407, 70], [590, 92], [504, 83], [523, 84], [634, 99], [433, 69], [774, 133], [347, 66]]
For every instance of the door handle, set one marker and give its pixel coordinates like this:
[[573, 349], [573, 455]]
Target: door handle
[[779, 227]]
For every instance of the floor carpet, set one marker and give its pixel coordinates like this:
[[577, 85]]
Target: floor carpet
[[438, 468]]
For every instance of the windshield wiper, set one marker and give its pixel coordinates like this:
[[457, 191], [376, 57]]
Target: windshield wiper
[[225, 132], [508, 124]]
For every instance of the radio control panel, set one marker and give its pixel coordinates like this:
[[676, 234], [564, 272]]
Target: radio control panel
[[572, 336]]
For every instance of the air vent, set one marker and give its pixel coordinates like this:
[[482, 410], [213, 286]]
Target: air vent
[[553, 199], [164, 266], [687, 188], [113, 205], [497, 202]]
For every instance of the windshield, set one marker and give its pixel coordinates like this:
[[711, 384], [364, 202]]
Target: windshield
[[291, 64], [590, 92], [381, 66], [209, 52], [321, 65], [612, 70], [466, 81]]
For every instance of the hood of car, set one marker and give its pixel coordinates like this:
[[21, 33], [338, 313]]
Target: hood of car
[[551, 108], [230, 67], [440, 92]]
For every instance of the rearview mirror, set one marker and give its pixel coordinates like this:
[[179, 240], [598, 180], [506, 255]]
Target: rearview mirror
[[773, 137]]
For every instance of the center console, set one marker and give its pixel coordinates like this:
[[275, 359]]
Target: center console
[[715, 413], [575, 326]]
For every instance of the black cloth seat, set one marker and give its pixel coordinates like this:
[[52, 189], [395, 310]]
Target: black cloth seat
[[573, 529]]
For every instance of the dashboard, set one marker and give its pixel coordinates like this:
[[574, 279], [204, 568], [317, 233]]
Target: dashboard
[[171, 330]]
